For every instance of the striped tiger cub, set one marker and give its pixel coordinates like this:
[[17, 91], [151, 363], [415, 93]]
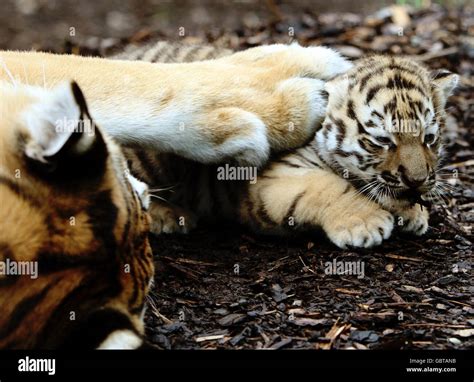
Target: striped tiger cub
[[75, 261], [165, 52], [375, 157]]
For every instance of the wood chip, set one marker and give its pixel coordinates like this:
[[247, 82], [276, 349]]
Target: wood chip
[[349, 291], [303, 321], [398, 257], [210, 338], [231, 319], [411, 288], [400, 16], [333, 333], [280, 344], [464, 332]]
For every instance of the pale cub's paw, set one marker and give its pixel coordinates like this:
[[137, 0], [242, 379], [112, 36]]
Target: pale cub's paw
[[414, 220], [170, 219], [360, 231]]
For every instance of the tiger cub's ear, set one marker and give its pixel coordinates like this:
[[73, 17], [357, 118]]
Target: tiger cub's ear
[[61, 131], [444, 82]]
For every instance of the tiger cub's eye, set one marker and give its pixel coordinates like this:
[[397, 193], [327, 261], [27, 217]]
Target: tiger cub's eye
[[384, 141], [430, 139]]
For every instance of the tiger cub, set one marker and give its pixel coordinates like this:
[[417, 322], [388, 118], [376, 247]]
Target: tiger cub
[[244, 106], [375, 156], [75, 260]]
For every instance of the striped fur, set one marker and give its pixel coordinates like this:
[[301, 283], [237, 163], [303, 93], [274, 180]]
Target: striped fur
[[164, 52], [70, 207], [364, 167]]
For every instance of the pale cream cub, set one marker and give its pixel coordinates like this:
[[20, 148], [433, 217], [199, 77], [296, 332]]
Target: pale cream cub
[[241, 106]]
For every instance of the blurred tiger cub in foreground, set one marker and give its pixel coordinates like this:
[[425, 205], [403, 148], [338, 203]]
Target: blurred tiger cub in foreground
[[75, 261], [375, 155]]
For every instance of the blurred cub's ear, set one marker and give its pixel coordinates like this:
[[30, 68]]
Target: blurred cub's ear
[[61, 131], [444, 82]]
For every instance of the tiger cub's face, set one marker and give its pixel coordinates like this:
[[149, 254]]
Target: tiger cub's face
[[70, 206], [382, 128]]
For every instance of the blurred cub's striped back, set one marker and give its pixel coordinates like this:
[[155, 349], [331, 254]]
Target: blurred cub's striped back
[[166, 52], [75, 261]]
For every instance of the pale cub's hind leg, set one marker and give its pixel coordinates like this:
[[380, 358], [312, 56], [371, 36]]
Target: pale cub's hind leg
[[238, 134], [296, 76], [285, 198], [169, 218], [303, 107], [295, 60]]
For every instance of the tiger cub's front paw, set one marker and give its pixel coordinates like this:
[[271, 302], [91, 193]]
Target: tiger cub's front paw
[[170, 219], [360, 230], [414, 220]]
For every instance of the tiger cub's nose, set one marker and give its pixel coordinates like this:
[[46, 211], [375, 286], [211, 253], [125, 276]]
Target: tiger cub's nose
[[410, 180]]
